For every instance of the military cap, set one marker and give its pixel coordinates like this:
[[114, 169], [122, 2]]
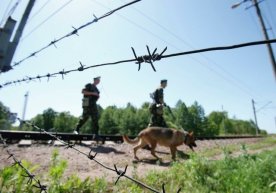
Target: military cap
[[98, 77], [164, 81]]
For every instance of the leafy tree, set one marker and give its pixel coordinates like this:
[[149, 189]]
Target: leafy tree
[[244, 127], [182, 115], [142, 118], [228, 126], [107, 122], [38, 121], [44, 121], [216, 123], [131, 120], [64, 122], [49, 116], [4, 117], [128, 120], [197, 119]]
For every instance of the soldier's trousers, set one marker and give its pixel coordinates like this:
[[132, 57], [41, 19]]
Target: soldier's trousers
[[92, 112], [157, 120]]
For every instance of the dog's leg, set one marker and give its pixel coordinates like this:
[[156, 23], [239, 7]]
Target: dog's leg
[[140, 145], [191, 147], [153, 146], [173, 151]]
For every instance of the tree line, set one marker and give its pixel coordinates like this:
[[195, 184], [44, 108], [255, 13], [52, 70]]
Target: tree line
[[131, 120]]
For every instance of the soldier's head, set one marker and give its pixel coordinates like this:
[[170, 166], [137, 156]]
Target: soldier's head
[[163, 83], [97, 80]]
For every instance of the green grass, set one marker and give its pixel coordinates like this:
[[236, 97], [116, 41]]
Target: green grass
[[264, 142], [246, 173], [242, 174], [12, 179]]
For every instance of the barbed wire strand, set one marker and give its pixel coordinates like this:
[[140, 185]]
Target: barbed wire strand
[[120, 173], [150, 58], [47, 19], [43, 188], [74, 32], [226, 75]]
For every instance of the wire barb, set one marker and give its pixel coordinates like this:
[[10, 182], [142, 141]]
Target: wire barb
[[69, 145], [91, 157], [95, 18], [75, 31], [120, 173], [42, 188], [81, 68], [151, 58], [62, 74], [28, 174]]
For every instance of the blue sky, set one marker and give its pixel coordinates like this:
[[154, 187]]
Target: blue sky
[[221, 80]]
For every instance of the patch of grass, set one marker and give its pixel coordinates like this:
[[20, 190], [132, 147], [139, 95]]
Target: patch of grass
[[12, 179], [264, 142], [242, 174], [246, 173]]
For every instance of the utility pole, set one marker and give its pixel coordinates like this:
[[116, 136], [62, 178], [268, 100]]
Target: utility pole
[[270, 51], [255, 116], [259, 14], [9, 50], [25, 107]]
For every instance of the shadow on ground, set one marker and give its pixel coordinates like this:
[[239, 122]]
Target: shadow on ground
[[161, 162], [102, 149]]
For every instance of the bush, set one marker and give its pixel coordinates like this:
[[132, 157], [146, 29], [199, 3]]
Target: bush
[[246, 173], [13, 179]]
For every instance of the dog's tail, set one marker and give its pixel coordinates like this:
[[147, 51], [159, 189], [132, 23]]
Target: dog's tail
[[130, 141]]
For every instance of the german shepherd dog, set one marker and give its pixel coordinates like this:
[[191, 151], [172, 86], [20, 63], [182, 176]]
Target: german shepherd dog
[[163, 136]]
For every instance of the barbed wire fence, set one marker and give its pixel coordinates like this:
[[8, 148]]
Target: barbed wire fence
[[74, 32], [118, 172], [31, 177], [150, 58]]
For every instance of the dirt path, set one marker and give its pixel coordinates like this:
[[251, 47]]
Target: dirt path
[[108, 154]]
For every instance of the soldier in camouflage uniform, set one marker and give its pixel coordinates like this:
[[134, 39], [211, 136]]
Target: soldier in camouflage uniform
[[156, 108], [90, 96]]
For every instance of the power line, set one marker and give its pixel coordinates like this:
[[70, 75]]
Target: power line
[[5, 15], [273, 20], [75, 31], [269, 28], [10, 12], [39, 10], [150, 59], [39, 25], [240, 83], [255, 4], [47, 19]]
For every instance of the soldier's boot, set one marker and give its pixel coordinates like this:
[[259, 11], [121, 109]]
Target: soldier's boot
[[77, 131]]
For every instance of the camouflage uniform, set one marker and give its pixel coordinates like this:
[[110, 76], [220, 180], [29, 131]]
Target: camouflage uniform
[[156, 109], [90, 109]]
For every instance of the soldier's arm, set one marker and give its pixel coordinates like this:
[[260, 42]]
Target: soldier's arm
[[88, 93], [161, 96]]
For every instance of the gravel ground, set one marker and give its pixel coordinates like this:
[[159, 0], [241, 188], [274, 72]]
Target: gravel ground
[[108, 154]]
